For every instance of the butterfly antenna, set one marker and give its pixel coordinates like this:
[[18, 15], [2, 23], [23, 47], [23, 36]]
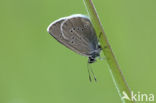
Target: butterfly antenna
[[90, 79], [93, 74]]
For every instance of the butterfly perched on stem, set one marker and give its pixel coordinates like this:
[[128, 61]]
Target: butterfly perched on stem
[[76, 32]]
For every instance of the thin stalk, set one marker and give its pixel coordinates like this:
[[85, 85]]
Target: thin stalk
[[114, 68]]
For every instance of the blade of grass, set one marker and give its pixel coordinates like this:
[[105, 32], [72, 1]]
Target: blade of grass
[[114, 68]]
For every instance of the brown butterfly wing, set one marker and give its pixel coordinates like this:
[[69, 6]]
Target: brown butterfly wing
[[79, 31], [54, 30]]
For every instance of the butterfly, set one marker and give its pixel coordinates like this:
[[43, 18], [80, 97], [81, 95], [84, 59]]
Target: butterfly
[[76, 32]]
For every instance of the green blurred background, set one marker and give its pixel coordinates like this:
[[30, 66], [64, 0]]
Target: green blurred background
[[35, 68]]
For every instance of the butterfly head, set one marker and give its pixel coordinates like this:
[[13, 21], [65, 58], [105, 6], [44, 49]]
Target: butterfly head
[[96, 53]]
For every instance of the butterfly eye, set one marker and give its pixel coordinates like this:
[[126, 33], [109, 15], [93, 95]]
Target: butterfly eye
[[73, 28], [82, 29]]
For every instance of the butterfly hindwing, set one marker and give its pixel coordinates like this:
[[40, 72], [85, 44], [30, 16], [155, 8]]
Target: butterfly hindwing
[[79, 31]]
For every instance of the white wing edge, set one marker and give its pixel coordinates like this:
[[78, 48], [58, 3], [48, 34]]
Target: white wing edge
[[67, 17], [70, 17], [63, 18]]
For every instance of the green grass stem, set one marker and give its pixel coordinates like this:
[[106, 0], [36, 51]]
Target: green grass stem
[[114, 68]]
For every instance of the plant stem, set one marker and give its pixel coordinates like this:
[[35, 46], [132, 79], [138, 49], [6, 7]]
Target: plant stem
[[114, 68]]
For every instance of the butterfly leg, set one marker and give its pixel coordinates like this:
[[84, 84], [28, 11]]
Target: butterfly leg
[[99, 36], [99, 46]]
